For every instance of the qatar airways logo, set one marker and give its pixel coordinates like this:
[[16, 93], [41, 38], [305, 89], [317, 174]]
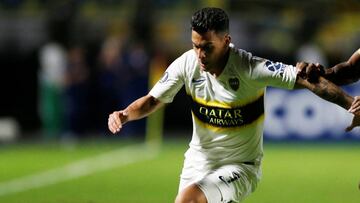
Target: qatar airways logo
[[228, 117], [221, 117]]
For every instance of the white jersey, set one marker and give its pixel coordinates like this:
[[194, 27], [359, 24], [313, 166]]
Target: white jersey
[[228, 110]]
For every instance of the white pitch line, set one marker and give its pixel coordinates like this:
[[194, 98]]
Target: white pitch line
[[84, 167]]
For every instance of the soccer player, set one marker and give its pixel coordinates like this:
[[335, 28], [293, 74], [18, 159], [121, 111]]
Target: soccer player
[[226, 86]]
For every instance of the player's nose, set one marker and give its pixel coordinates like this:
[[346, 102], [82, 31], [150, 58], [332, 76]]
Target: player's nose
[[201, 54]]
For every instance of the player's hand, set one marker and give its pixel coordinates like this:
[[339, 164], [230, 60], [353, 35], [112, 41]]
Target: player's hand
[[310, 71], [355, 122], [355, 106], [355, 109], [116, 120]]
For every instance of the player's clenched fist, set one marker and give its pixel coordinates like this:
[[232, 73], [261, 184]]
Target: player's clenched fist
[[310, 71], [116, 120]]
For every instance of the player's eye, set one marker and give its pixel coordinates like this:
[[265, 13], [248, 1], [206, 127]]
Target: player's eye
[[208, 48]]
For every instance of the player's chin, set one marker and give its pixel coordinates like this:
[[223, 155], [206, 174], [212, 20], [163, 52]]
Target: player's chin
[[204, 67]]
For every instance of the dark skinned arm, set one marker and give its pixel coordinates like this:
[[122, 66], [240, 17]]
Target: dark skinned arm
[[343, 73], [346, 72], [328, 91]]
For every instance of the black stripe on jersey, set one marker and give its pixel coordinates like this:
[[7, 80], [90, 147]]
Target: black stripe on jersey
[[228, 117]]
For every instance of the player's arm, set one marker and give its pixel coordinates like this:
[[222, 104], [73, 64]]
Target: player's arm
[[140, 108], [341, 74], [330, 92], [346, 72], [326, 90]]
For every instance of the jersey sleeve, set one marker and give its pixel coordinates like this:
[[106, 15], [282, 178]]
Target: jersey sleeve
[[170, 83], [270, 73]]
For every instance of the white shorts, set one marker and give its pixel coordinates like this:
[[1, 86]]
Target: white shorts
[[228, 183]]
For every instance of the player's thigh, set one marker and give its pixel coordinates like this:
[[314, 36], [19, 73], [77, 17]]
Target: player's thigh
[[230, 183], [191, 194]]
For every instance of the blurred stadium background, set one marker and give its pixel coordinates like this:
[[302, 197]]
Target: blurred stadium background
[[67, 64]]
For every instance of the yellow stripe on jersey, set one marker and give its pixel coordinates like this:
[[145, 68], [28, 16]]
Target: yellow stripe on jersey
[[220, 104], [228, 117]]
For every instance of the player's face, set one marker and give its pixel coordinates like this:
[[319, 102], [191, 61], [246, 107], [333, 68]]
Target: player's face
[[211, 49]]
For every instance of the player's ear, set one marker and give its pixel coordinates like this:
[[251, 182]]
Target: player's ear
[[227, 39]]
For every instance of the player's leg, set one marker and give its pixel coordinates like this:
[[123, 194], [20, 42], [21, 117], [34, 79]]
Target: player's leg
[[229, 183], [234, 182], [191, 194]]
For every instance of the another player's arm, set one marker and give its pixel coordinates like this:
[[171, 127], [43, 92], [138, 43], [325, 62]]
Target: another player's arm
[[330, 92], [341, 74], [140, 108], [326, 90], [346, 72]]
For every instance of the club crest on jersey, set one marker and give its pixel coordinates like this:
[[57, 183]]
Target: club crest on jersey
[[234, 83], [277, 67], [164, 78]]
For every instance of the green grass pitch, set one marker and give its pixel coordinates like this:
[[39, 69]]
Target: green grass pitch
[[292, 173]]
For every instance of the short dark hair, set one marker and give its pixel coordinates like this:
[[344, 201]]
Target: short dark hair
[[210, 19]]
